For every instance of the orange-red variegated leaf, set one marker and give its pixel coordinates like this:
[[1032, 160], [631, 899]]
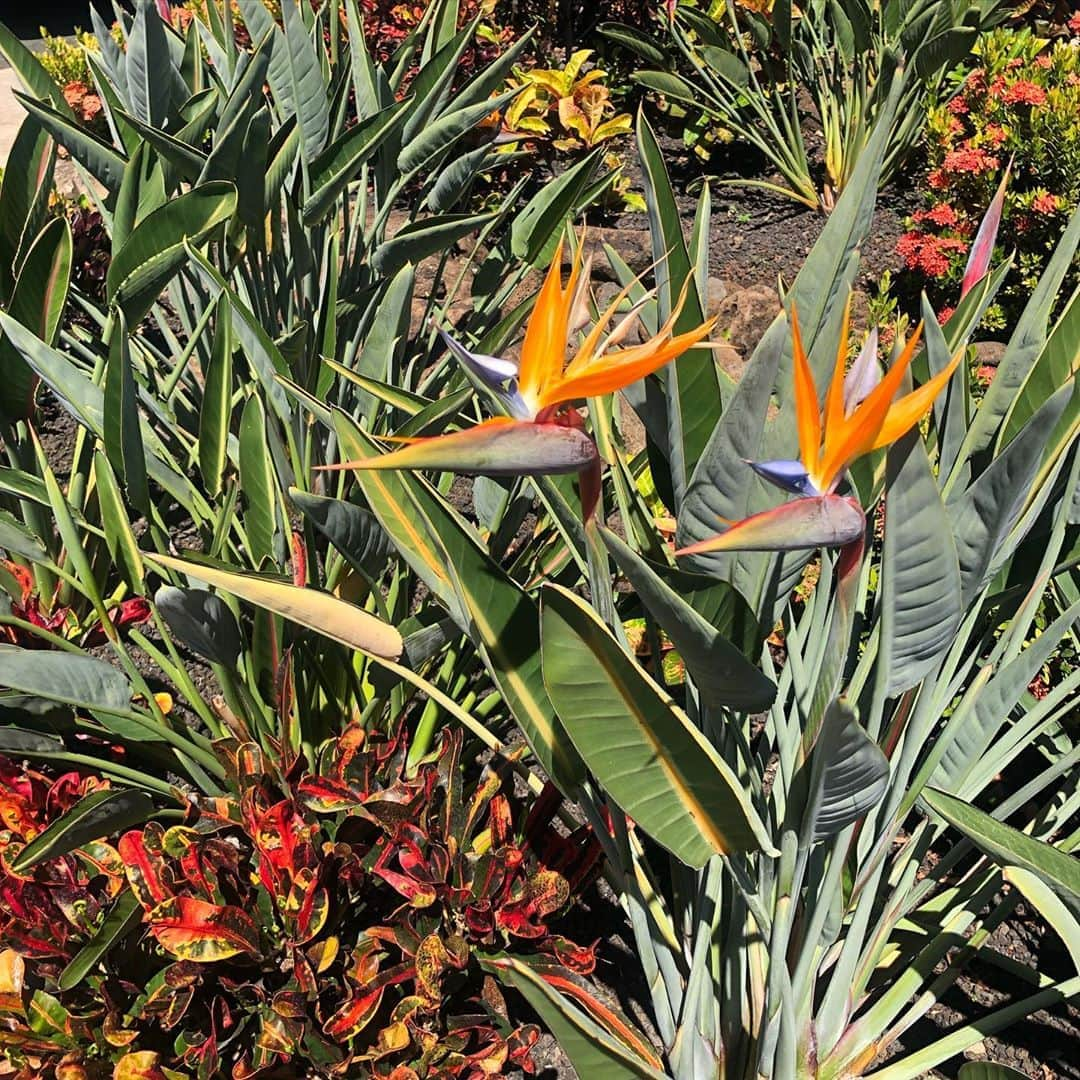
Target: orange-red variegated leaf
[[197, 930], [800, 525], [354, 1015], [498, 447]]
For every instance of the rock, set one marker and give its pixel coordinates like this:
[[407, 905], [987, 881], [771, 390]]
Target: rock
[[730, 361], [633, 430], [745, 314], [988, 353], [634, 247], [716, 292]]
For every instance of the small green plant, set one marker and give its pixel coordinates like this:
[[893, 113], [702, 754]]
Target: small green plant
[[1018, 108]]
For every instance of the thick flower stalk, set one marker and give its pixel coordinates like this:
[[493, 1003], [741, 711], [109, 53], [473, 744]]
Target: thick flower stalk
[[543, 433]]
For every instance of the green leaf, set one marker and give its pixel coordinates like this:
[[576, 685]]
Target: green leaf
[[216, 411], [632, 38], [155, 250], [1047, 903], [94, 154], [305, 92], [591, 1048], [17, 539], [693, 386], [122, 434], [492, 609], [37, 302], [318, 611], [1010, 847], [535, 230], [984, 514], [27, 171], [119, 538], [149, 68], [988, 1070], [977, 735], [338, 165], [354, 531], [124, 916], [653, 762], [202, 622], [721, 672], [75, 680], [30, 71], [921, 594], [852, 773], [416, 241], [257, 482], [441, 134], [93, 817]]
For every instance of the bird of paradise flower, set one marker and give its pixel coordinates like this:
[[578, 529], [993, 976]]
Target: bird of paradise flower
[[543, 433]]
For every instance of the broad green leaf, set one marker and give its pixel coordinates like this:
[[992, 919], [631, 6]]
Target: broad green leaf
[[1047, 903], [94, 154], [318, 611], [75, 680], [592, 1049], [536, 229], [149, 70], [17, 539], [984, 514], [852, 773], [653, 762], [976, 736], [122, 434], [257, 482], [30, 71], [119, 538], [693, 386], [720, 671], [1010, 847], [305, 93], [37, 302], [921, 593], [142, 192], [155, 250], [338, 165], [124, 916], [440, 135], [93, 817], [416, 241], [202, 622], [493, 610], [216, 411], [988, 1070], [354, 531], [27, 171]]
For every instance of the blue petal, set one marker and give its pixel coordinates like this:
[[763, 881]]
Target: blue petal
[[786, 475], [497, 374]]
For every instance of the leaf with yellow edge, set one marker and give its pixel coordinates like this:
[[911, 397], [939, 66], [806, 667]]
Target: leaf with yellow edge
[[651, 760], [197, 930], [318, 611]]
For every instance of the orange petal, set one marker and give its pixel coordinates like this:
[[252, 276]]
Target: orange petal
[[807, 414], [859, 432], [543, 351], [497, 447], [615, 370], [911, 408], [834, 399]]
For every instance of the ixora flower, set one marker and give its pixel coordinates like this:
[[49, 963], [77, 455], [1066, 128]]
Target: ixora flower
[[543, 433], [860, 414]]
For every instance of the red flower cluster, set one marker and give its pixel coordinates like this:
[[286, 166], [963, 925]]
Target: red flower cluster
[[1045, 203], [1074, 23], [929, 254], [1023, 92], [942, 214]]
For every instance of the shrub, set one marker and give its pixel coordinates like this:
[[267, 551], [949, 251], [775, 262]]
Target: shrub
[[1020, 105]]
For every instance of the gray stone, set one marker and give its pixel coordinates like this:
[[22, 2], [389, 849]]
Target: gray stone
[[988, 353], [745, 314]]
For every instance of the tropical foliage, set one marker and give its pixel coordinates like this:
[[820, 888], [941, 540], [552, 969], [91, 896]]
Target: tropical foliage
[[324, 690]]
